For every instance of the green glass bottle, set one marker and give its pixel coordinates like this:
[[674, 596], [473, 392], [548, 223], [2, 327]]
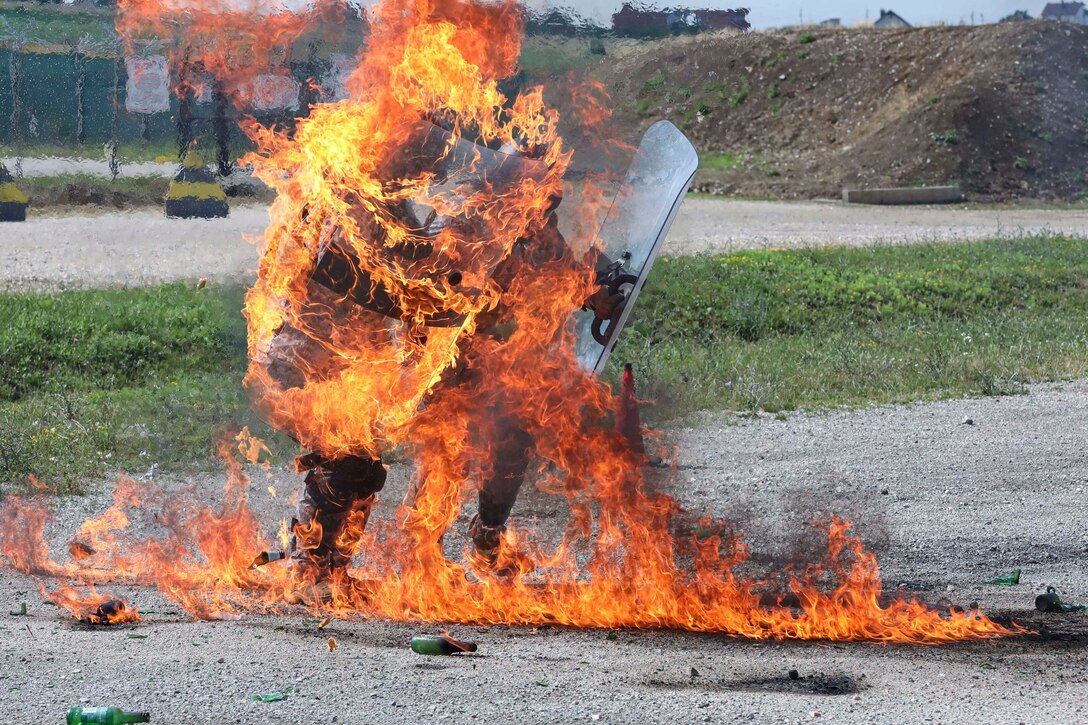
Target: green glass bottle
[[441, 644], [105, 716]]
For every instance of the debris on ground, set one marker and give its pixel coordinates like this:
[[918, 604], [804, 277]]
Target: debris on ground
[[20, 612], [441, 644], [112, 611], [80, 551], [226, 617], [1008, 580], [105, 715], [272, 696], [267, 557], [1051, 602]]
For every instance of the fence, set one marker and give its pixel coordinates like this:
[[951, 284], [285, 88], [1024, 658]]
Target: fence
[[42, 106]]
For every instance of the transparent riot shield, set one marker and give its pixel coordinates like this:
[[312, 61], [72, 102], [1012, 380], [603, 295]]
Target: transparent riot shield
[[634, 232]]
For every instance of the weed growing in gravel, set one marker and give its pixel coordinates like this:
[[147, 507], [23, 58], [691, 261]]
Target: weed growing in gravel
[[724, 161], [949, 137], [740, 96]]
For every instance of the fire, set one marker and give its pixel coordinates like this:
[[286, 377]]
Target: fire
[[430, 80], [234, 42]]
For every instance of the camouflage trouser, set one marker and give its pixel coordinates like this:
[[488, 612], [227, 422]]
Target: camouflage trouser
[[334, 509], [340, 492], [511, 449]]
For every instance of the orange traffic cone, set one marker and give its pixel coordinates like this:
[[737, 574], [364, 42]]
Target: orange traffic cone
[[627, 420]]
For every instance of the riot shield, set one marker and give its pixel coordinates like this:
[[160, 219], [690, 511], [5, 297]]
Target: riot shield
[[634, 231]]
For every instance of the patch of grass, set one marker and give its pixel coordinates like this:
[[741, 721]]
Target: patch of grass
[[806, 39], [934, 100], [1021, 163], [740, 96], [721, 162], [949, 137], [655, 81], [802, 54], [96, 381], [786, 330], [774, 91], [772, 62], [837, 57], [554, 54]]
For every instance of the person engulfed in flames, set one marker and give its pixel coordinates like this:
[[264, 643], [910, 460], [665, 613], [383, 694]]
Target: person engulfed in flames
[[392, 277]]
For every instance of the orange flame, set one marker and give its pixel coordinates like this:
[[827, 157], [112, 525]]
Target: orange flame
[[364, 179], [231, 41]]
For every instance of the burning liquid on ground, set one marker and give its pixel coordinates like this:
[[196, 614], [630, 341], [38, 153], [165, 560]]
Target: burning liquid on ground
[[359, 176]]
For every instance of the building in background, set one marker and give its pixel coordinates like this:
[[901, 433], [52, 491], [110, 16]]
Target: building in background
[[890, 19], [1066, 13]]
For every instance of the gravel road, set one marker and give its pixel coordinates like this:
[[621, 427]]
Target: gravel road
[[947, 505], [143, 247]]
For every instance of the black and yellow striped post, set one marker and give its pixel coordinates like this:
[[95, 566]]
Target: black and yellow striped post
[[13, 201], [194, 192]]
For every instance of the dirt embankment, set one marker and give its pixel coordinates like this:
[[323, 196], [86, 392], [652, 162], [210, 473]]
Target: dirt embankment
[[1001, 109]]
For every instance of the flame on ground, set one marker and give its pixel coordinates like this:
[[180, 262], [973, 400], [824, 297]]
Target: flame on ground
[[387, 180]]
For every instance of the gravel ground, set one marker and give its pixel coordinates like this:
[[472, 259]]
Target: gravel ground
[[948, 506], [143, 247]]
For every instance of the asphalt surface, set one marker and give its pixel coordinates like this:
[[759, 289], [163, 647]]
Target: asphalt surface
[[50, 252], [946, 505]]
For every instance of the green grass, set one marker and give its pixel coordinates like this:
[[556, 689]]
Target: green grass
[[740, 96], [721, 162], [557, 54], [786, 330], [949, 137], [96, 381]]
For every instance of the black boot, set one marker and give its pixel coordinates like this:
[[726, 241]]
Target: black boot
[[332, 515]]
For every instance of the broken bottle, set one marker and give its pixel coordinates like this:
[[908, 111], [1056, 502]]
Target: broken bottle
[[441, 644], [105, 716]]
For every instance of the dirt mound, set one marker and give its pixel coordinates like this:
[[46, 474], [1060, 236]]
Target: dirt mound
[[1001, 109]]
